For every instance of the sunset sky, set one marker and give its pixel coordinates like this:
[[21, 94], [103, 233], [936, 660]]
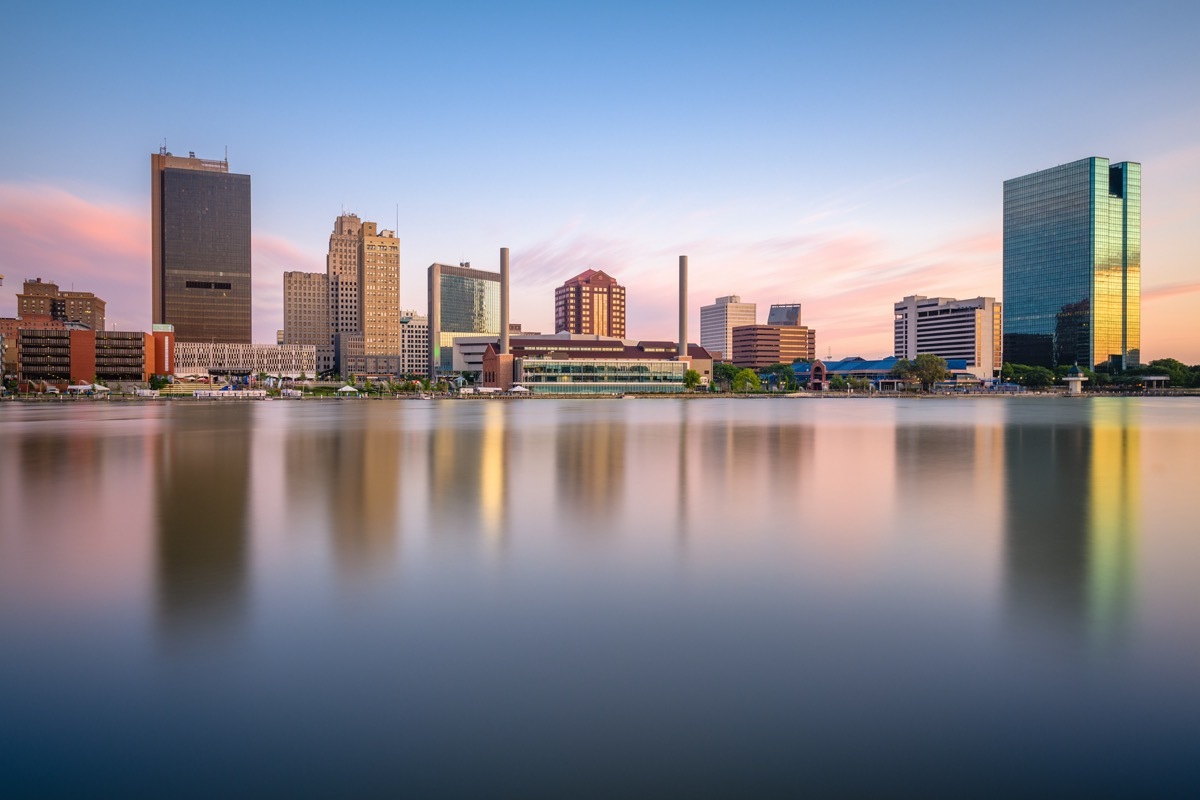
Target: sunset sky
[[841, 156]]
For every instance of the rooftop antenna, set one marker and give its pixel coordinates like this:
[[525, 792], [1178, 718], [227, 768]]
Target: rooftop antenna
[[227, 155]]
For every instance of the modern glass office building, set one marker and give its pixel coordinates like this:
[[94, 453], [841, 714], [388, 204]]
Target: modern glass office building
[[200, 227], [1072, 265], [462, 302], [601, 376]]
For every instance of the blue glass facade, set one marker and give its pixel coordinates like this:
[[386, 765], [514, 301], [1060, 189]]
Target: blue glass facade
[[462, 302], [1072, 265]]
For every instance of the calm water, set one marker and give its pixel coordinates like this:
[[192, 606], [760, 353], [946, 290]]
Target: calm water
[[648, 597]]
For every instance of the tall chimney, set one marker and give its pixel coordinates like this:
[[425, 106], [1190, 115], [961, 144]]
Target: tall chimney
[[683, 306], [503, 301]]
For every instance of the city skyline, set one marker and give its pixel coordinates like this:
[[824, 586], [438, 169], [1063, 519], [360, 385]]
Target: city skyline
[[636, 150]]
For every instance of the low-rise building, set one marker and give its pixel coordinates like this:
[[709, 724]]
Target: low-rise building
[[595, 360], [229, 358], [758, 346], [82, 355]]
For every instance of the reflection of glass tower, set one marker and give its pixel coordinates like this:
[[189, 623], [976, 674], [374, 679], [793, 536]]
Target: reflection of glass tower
[[1072, 265], [462, 302], [1071, 522]]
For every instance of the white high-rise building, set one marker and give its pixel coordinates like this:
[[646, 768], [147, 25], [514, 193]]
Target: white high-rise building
[[950, 328], [414, 343], [718, 321]]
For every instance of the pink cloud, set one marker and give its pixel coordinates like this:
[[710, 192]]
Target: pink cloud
[[1169, 290], [105, 248], [847, 280], [95, 247]]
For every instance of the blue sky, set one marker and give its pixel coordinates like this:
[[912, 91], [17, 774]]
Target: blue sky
[[839, 156]]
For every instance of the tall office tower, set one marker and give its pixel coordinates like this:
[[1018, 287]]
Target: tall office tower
[[200, 230], [967, 329], [718, 321], [379, 290], [1072, 265], [341, 267], [591, 302], [306, 314], [462, 302], [40, 297]]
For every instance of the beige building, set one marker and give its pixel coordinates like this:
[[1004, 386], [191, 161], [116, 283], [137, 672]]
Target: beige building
[[759, 346], [414, 343], [718, 320], [379, 290], [285, 360], [306, 314], [341, 269], [967, 329], [42, 298]]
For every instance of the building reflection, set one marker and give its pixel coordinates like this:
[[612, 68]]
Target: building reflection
[[202, 477], [590, 462], [468, 466], [1072, 514], [952, 470], [351, 476]]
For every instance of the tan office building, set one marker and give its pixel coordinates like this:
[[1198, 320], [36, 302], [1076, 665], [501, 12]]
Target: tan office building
[[758, 346], [341, 268], [379, 290], [43, 298]]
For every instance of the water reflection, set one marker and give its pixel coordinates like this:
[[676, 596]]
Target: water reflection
[[351, 477], [589, 466], [1072, 513], [202, 477], [468, 471]]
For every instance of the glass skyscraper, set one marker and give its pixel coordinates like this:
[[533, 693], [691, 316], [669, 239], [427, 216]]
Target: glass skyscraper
[[1072, 265], [462, 302], [200, 229]]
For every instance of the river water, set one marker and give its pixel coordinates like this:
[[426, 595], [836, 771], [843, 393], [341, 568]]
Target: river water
[[994, 596]]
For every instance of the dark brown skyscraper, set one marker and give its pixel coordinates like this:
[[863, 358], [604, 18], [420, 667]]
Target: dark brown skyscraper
[[591, 302], [200, 227]]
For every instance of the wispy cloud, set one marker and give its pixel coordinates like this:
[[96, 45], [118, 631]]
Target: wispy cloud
[[96, 247], [104, 248], [846, 279], [1169, 290]]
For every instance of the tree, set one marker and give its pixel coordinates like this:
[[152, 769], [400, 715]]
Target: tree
[[929, 369], [746, 381], [724, 373], [838, 384], [785, 375], [860, 384], [691, 379]]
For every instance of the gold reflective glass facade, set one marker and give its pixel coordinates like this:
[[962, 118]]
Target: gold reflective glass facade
[[1072, 265]]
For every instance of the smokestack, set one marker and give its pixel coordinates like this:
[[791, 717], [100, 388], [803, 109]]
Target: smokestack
[[683, 306], [503, 301]]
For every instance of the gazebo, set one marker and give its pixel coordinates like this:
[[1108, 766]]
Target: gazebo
[[1074, 379]]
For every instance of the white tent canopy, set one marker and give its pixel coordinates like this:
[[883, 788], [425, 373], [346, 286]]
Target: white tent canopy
[[519, 388], [347, 389], [84, 388]]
